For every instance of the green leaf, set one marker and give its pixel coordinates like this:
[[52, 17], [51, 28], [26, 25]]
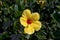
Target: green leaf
[[1, 37], [40, 35], [27, 36], [58, 7], [56, 34], [57, 17]]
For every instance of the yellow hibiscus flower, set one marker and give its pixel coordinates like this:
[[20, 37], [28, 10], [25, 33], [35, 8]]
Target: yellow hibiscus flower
[[30, 21], [42, 3]]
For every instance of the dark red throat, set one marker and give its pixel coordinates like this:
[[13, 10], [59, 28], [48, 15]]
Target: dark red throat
[[29, 21]]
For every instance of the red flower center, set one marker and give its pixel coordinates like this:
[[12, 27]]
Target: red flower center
[[29, 21]]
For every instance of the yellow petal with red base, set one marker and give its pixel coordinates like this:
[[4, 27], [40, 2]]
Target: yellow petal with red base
[[29, 30], [36, 25], [23, 21]]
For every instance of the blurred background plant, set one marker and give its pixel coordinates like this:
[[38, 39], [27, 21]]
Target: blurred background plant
[[11, 10]]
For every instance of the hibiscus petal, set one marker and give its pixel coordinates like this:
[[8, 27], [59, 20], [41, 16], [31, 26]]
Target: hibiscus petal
[[29, 30], [23, 21], [35, 16], [36, 25], [27, 13]]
